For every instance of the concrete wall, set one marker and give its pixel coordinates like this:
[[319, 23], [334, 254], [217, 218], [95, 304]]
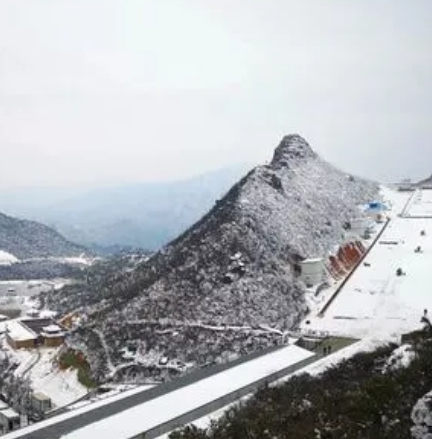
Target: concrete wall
[[53, 342]]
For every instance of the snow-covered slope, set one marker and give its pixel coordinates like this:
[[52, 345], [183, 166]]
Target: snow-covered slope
[[7, 259], [30, 250], [234, 267], [29, 239]]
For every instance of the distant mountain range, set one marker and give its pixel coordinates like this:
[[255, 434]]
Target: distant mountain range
[[212, 292], [144, 215]]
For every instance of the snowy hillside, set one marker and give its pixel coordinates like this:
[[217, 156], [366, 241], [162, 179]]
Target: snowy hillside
[[30, 250], [28, 239], [206, 293], [7, 259]]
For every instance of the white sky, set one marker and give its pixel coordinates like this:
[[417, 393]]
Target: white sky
[[115, 91]]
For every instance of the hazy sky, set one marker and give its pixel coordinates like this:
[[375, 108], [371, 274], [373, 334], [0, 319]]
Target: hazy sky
[[115, 91]]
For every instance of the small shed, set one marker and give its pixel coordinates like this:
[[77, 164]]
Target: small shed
[[40, 402], [9, 420], [312, 271]]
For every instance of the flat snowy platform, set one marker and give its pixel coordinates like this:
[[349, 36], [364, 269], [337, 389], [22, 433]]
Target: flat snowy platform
[[375, 301]]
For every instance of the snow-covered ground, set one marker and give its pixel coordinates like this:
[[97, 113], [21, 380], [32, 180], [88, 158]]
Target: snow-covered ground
[[377, 302], [62, 387], [117, 391], [421, 204], [78, 260], [38, 366], [133, 421], [7, 258]]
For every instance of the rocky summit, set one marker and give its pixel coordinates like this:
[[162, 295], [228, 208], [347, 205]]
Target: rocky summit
[[227, 286]]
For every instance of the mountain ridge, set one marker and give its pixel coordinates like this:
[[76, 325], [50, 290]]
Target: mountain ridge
[[235, 267]]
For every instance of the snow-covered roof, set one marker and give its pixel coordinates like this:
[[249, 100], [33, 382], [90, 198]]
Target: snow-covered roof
[[19, 332], [312, 261], [41, 396], [47, 314], [9, 413], [51, 329], [133, 421]]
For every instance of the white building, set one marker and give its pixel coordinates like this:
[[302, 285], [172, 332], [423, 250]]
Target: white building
[[313, 271], [360, 227]]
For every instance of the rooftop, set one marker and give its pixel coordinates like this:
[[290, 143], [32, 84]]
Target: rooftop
[[141, 417], [9, 413], [19, 332], [311, 260], [41, 396], [39, 325], [52, 328]]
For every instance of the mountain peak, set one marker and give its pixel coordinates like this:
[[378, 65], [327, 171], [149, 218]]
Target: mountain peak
[[292, 146]]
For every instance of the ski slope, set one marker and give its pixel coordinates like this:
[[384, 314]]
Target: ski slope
[[376, 302]]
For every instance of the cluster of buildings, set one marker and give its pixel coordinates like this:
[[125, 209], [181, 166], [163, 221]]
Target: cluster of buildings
[[28, 333]]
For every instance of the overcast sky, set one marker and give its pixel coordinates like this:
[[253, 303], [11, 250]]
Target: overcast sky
[[96, 92]]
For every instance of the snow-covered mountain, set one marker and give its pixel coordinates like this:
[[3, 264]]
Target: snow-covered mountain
[[29, 239], [32, 250], [217, 288]]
